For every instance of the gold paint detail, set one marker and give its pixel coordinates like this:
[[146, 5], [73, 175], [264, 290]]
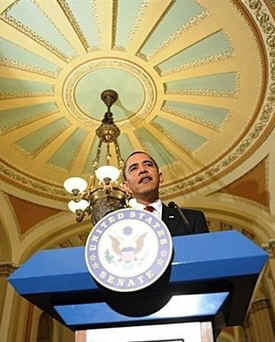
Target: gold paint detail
[[204, 61], [139, 21], [266, 24], [205, 92], [114, 23], [95, 6], [25, 30], [25, 122], [195, 119], [209, 92], [92, 65], [5, 4], [105, 18], [41, 147], [177, 35], [66, 9], [14, 64], [12, 95], [168, 136]]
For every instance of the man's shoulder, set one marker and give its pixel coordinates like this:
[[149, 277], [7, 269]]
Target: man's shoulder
[[188, 211]]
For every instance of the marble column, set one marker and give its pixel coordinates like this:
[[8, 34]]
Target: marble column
[[259, 322], [7, 294]]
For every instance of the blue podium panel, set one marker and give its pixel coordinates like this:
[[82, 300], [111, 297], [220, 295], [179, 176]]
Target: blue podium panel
[[202, 263], [180, 308], [196, 258]]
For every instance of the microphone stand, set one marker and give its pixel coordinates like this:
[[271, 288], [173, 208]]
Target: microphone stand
[[174, 205]]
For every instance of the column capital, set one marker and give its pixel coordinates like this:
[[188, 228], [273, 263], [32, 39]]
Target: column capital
[[259, 305], [6, 268]]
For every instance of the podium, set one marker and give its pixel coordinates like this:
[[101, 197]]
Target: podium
[[208, 285]]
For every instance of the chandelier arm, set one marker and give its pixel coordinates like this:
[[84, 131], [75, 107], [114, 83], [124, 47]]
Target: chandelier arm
[[90, 185], [118, 155], [98, 153], [108, 155]]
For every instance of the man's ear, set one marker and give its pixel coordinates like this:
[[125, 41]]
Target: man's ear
[[161, 178]]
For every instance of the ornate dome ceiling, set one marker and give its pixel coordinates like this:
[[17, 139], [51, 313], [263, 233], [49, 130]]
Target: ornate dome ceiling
[[193, 79]]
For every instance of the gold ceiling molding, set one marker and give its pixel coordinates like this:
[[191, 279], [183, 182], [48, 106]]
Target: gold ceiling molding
[[139, 21], [194, 21], [36, 186], [204, 61], [35, 37], [63, 4], [174, 37], [14, 95], [14, 64], [210, 92], [166, 109]]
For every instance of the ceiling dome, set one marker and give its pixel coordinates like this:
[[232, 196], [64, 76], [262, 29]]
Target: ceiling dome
[[192, 78]]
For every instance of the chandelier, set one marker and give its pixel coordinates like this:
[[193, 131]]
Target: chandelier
[[103, 193]]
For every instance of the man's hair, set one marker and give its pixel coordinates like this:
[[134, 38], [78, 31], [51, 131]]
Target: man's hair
[[132, 154]]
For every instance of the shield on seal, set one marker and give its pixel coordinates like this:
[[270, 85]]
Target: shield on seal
[[128, 250]]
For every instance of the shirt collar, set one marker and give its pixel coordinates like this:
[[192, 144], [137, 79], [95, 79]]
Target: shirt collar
[[136, 205]]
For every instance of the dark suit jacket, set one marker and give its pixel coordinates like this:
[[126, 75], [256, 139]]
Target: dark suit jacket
[[178, 226]]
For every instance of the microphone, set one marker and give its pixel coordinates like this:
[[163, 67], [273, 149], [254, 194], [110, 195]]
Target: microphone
[[174, 205]]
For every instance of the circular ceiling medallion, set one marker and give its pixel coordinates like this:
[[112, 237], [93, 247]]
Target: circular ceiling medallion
[[84, 84]]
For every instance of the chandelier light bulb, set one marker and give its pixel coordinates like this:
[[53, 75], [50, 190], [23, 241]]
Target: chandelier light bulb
[[107, 171], [81, 205], [75, 184]]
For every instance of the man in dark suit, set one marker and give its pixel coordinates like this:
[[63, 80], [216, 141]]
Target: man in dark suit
[[142, 180]]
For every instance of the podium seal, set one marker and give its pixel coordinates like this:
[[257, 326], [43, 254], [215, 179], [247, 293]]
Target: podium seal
[[128, 250]]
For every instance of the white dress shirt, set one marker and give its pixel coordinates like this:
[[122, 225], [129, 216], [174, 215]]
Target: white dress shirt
[[157, 205]]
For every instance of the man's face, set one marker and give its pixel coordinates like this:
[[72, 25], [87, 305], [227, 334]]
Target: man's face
[[142, 177]]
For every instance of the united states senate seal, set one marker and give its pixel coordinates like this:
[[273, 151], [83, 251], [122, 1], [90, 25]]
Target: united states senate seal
[[128, 250]]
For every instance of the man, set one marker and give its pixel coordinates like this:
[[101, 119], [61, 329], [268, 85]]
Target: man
[[142, 180]]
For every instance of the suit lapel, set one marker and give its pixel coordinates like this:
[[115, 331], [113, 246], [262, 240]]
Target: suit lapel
[[174, 221], [170, 217]]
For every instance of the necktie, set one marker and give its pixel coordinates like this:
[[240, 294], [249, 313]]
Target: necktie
[[149, 208]]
